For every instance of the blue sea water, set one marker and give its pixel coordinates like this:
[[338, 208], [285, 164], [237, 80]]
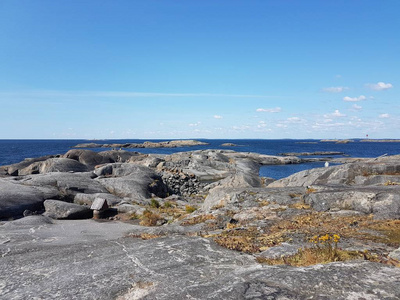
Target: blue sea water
[[13, 151]]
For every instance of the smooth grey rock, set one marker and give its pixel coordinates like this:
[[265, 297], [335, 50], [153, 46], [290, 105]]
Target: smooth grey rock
[[395, 254], [35, 220], [122, 169], [130, 208], [383, 202], [283, 250], [14, 169], [240, 180], [15, 198], [86, 157], [60, 165], [347, 174], [42, 166], [131, 180], [88, 199], [67, 184], [56, 209], [92, 159], [91, 260], [240, 197]]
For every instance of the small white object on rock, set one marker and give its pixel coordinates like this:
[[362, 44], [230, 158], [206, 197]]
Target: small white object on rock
[[99, 204]]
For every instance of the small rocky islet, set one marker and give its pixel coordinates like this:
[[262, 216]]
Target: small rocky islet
[[198, 225]]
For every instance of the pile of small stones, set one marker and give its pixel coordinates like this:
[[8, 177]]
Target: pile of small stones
[[181, 183]]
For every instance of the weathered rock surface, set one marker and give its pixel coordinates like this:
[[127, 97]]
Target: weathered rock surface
[[130, 180], [88, 199], [15, 197], [75, 160], [15, 169], [283, 250], [67, 184], [358, 173], [91, 158], [235, 199], [383, 202], [59, 165], [91, 260], [56, 209]]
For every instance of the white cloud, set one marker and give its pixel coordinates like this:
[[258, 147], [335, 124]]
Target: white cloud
[[325, 125], [384, 116], [241, 128], [335, 114], [380, 86], [294, 120], [335, 89], [218, 117], [262, 124], [356, 107], [270, 110], [354, 99], [194, 124]]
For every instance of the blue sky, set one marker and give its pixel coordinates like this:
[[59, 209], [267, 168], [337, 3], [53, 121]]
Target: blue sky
[[166, 69]]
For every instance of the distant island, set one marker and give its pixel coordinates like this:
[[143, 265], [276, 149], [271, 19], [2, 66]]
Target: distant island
[[338, 141], [166, 144], [381, 141]]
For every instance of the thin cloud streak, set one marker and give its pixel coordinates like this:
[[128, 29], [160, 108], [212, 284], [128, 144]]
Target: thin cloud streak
[[117, 94]]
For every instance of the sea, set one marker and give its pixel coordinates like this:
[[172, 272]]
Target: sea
[[13, 151]]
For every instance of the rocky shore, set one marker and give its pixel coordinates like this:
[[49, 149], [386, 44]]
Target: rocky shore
[[198, 225]]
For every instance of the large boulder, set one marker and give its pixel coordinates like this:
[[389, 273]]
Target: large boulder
[[131, 180], [383, 202], [91, 159], [16, 169], [15, 198], [86, 157], [67, 184], [365, 172], [60, 165], [235, 199], [56, 209]]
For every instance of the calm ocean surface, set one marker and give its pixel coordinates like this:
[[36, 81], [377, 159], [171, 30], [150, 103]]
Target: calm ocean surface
[[13, 151]]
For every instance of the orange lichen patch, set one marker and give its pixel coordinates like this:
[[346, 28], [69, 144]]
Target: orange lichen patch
[[189, 209], [389, 231], [264, 203], [312, 256], [310, 190], [387, 183], [300, 205], [145, 236], [197, 220], [150, 218], [249, 240], [322, 230]]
